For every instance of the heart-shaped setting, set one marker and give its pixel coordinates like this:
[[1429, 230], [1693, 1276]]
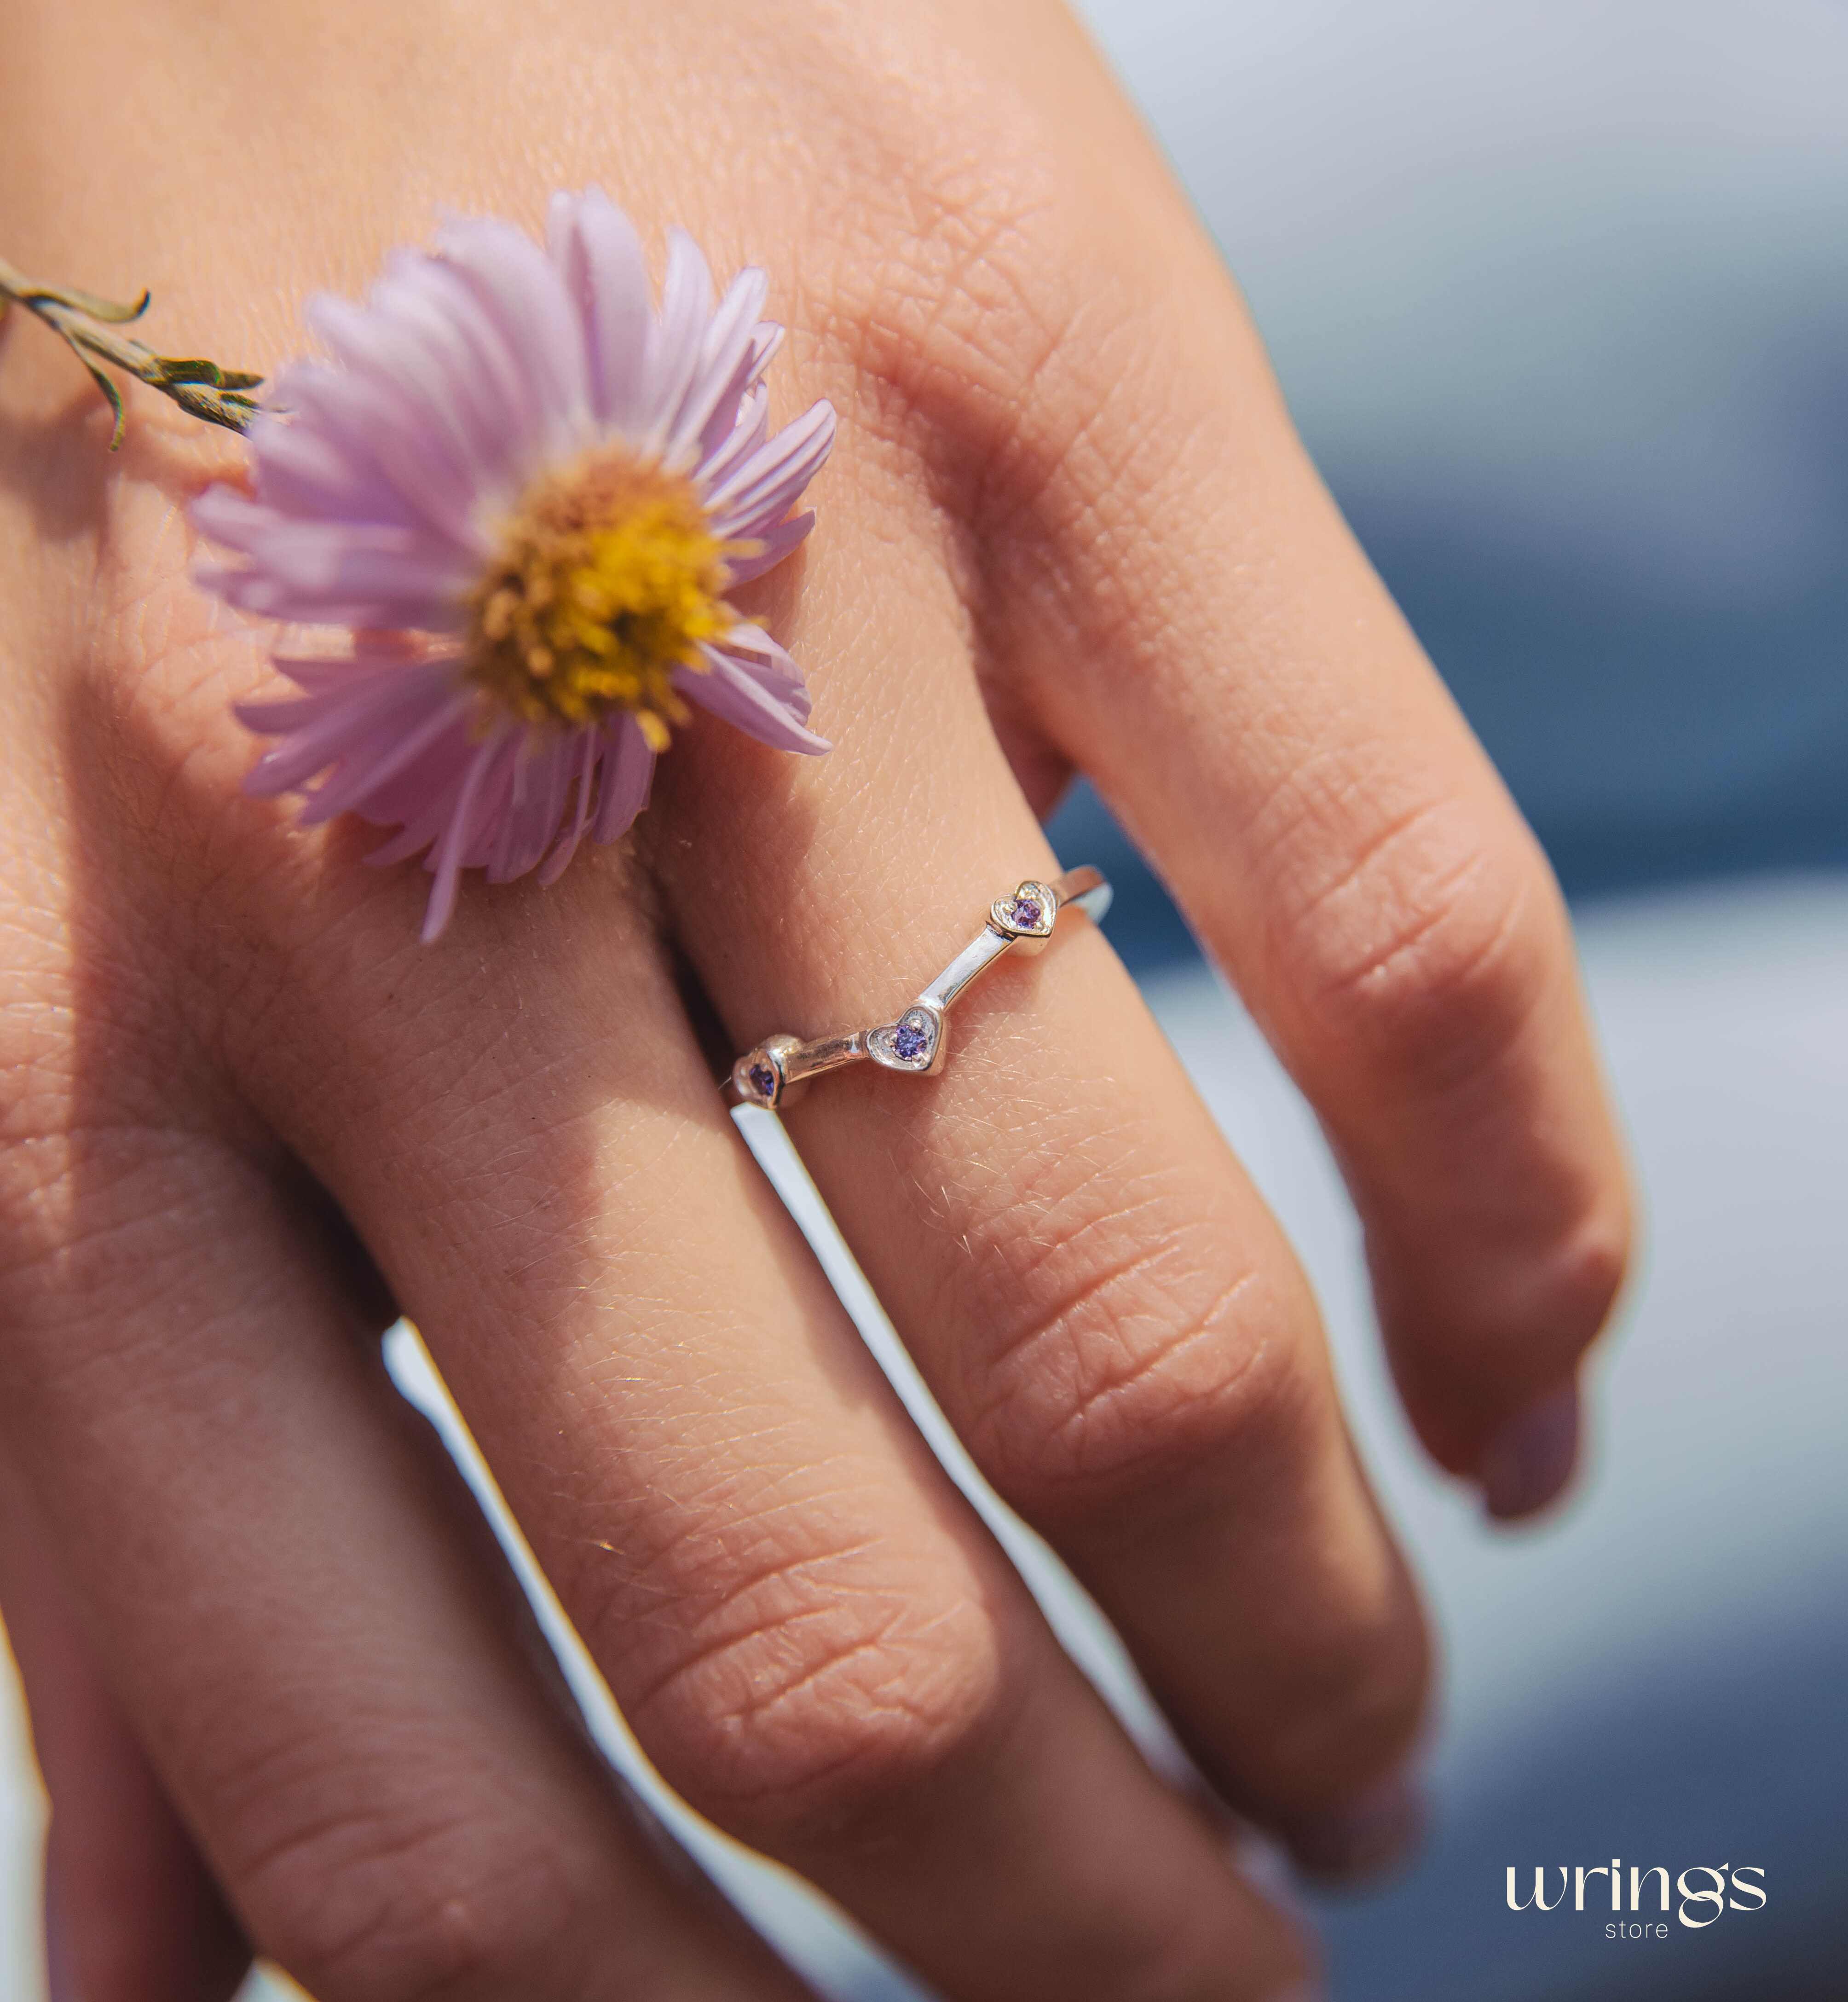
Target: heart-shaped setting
[[758, 1076], [1027, 914], [911, 1043]]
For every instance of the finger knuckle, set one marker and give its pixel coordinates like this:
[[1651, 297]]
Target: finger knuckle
[[1580, 1281], [1149, 1351], [412, 1904], [1429, 951], [953, 306], [87, 1230], [955, 272], [1358, 1694], [1531, 1328], [820, 1697], [110, 1125]]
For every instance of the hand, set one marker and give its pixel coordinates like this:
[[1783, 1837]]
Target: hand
[[277, 1692]]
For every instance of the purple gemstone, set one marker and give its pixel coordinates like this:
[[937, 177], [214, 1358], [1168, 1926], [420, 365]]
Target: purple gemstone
[[909, 1041], [1025, 912], [762, 1079]]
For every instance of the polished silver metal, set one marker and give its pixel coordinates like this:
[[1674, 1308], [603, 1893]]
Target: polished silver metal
[[918, 1041]]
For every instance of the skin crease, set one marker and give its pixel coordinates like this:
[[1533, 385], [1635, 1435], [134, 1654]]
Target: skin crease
[[1067, 525]]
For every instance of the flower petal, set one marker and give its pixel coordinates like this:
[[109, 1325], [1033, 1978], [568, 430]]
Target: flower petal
[[777, 542], [496, 397], [289, 714], [364, 781], [762, 489], [390, 398], [522, 291], [766, 337], [298, 469], [374, 710], [370, 651], [676, 337], [767, 664], [589, 748], [599, 257], [765, 341], [330, 573], [541, 781], [490, 816], [458, 834], [752, 427], [734, 691], [457, 367], [421, 800], [628, 773], [712, 397], [426, 356]]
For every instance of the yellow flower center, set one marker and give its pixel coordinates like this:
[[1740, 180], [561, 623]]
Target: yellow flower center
[[606, 579]]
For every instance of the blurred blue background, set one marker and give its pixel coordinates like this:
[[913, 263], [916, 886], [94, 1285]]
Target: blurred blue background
[[1558, 292]]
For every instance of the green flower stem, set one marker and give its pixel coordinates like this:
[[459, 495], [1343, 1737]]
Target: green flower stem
[[201, 388]]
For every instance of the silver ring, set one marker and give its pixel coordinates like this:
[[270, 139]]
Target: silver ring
[[919, 1040]]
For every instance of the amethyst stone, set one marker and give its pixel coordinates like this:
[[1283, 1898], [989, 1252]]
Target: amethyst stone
[[762, 1079], [909, 1041], [1026, 912]]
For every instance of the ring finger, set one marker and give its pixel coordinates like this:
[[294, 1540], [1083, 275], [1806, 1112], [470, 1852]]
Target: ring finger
[[1096, 1294]]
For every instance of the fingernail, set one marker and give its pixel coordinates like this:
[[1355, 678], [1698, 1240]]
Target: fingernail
[[1531, 1459], [1365, 1838], [60, 1979]]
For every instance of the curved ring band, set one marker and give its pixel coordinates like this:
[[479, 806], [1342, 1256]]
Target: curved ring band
[[918, 1041]]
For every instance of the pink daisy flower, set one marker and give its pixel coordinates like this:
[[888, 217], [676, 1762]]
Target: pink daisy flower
[[526, 493]]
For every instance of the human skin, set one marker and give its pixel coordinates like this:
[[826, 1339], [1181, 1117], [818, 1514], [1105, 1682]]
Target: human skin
[[277, 1691]]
